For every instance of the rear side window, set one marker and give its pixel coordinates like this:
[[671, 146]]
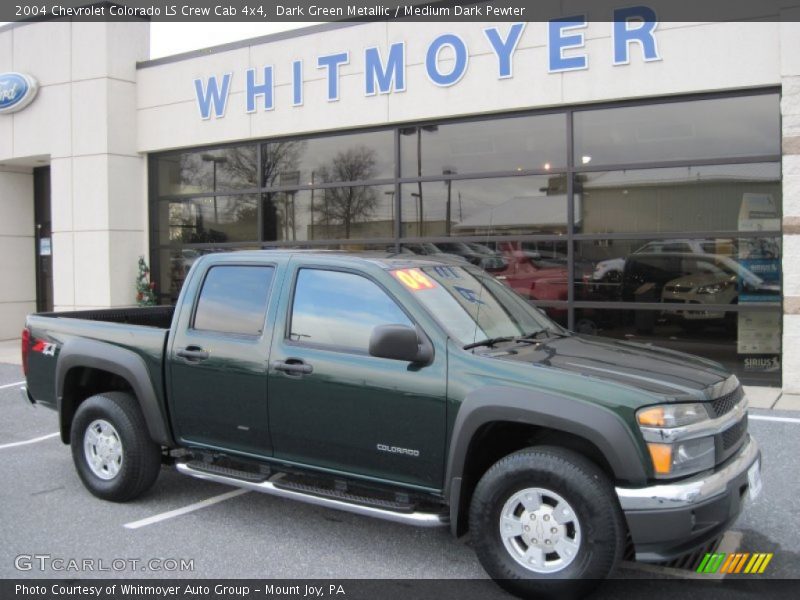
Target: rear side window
[[333, 308], [234, 299]]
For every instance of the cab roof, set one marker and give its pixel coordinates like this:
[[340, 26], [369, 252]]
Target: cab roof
[[386, 260]]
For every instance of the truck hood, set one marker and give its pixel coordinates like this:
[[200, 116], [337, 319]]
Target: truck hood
[[657, 370]]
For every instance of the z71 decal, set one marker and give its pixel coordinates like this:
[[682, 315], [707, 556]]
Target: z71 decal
[[45, 348]]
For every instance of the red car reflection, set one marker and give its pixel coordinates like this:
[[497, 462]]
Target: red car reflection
[[534, 276]]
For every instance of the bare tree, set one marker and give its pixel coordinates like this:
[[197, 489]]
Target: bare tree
[[280, 157], [280, 166], [236, 168], [348, 205]]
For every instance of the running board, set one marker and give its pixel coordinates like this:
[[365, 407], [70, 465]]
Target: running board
[[418, 519]]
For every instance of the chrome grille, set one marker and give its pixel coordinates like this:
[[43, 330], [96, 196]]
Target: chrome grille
[[724, 404]]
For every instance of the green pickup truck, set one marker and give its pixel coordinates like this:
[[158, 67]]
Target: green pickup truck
[[419, 391]]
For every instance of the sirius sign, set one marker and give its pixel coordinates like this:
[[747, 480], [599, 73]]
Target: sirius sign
[[17, 90], [633, 32]]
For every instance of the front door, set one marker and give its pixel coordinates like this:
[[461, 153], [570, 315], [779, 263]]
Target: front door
[[340, 408], [218, 362]]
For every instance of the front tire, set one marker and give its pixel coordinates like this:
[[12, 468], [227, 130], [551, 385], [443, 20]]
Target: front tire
[[545, 521], [111, 447]]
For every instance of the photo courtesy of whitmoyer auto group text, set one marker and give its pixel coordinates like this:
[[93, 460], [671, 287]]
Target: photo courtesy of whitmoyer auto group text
[[399, 299]]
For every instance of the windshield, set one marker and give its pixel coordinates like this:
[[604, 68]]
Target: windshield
[[471, 304]]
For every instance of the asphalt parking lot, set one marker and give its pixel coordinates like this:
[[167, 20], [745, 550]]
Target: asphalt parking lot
[[232, 534]]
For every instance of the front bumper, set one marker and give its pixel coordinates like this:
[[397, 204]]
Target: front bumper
[[670, 519], [694, 310]]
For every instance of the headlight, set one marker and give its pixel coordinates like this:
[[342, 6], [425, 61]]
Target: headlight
[[714, 288], [679, 457], [682, 458], [671, 415]]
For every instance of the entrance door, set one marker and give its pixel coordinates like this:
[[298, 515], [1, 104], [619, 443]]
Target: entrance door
[[44, 247]]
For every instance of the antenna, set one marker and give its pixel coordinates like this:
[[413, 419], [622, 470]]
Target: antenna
[[480, 293]]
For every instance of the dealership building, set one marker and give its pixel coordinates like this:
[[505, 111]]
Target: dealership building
[[634, 179]]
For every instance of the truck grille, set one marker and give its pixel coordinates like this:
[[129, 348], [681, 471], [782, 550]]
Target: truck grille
[[724, 404], [733, 435]]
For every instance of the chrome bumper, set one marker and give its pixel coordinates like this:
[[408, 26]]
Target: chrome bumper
[[693, 491]]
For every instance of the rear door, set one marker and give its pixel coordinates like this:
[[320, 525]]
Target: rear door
[[218, 358], [334, 406]]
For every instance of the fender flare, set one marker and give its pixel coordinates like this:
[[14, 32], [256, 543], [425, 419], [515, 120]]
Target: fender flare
[[592, 422], [119, 361]]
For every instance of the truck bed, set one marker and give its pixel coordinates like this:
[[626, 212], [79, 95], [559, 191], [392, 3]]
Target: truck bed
[[143, 330]]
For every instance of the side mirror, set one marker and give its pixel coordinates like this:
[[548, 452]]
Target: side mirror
[[400, 342]]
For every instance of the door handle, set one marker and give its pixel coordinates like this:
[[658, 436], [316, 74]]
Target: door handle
[[193, 353], [293, 366]]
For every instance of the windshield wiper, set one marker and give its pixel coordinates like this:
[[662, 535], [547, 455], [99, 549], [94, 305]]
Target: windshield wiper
[[547, 332], [488, 342], [527, 338]]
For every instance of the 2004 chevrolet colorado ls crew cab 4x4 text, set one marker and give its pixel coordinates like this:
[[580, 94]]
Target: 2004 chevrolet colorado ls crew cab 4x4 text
[[420, 391]]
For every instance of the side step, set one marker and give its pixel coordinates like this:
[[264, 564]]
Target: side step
[[213, 469], [350, 498], [311, 495]]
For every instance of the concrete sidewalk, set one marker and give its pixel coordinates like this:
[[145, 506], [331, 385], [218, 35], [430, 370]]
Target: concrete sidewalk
[[11, 352], [771, 397], [759, 397]]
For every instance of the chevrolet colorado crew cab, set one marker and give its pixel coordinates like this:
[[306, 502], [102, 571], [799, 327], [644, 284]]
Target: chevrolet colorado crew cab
[[413, 389]]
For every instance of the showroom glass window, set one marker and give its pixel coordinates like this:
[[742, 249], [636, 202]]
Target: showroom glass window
[[656, 221], [677, 212]]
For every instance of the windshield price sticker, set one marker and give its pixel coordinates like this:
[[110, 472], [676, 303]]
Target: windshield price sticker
[[414, 279]]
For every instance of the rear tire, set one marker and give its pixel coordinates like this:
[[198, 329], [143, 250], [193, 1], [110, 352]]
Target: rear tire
[[546, 522], [111, 447]]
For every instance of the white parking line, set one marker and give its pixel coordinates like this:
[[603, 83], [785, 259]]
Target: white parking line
[[33, 441], [776, 419], [186, 509], [10, 385]]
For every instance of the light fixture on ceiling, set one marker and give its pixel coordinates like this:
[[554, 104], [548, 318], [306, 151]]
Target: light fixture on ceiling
[[586, 159]]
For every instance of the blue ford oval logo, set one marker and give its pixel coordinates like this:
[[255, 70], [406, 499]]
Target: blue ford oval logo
[[17, 90]]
